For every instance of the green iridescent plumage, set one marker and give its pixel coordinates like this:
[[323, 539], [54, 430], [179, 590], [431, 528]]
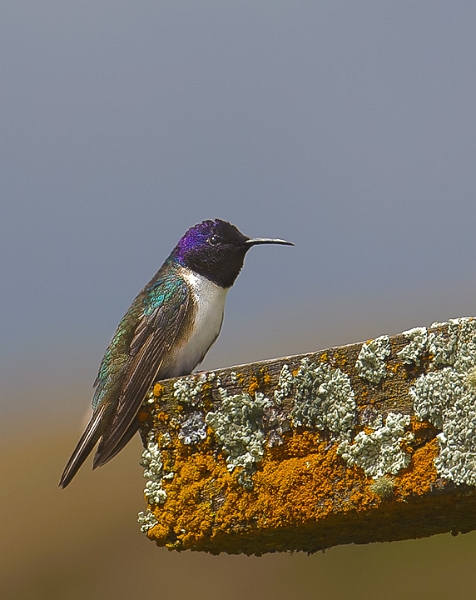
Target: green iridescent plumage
[[131, 362]]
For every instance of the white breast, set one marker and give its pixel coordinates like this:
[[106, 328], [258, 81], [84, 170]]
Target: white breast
[[209, 300]]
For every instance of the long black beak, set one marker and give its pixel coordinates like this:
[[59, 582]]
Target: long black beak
[[256, 241]]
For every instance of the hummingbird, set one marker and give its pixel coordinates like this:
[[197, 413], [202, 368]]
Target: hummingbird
[[168, 329]]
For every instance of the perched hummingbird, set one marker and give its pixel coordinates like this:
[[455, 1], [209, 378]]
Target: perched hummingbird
[[165, 333]]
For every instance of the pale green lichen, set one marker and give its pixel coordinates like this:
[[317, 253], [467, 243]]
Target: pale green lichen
[[324, 399], [211, 376], [155, 493], [414, 350], [150, 397], [446, 398], [380, 453], [153, 471], [285, 384], [457, 457], [471, 379], [442, 346], [187, 390], [238, 428], [146, 521], [165, 441], [370, 363], [465, 359], [434, 393]]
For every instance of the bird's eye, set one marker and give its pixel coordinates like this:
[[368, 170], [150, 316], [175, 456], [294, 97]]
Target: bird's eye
[[213, 240]]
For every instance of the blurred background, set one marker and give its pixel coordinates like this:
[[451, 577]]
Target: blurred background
[[346, 127]]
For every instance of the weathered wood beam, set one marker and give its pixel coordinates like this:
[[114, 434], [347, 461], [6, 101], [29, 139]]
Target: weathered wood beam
[[361, 443]]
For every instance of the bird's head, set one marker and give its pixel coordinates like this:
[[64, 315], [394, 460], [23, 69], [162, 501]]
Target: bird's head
[[216, 249]]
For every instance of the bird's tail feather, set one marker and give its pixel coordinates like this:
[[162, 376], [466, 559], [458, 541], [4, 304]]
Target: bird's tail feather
[[107, 451], [84, 447]]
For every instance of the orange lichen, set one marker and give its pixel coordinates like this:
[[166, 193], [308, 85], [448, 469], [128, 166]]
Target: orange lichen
[[364, 396], [259, 381], [421, 474], [306, 487], [301, 489], [189, 507], [418, 425], [297, 483], [423, 431], [393, 368], [162, 416], [253, 386], [339, 360], [239, 378], [206, 387], [158, 390]]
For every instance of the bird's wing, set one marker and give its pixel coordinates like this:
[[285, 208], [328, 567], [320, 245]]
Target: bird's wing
[[156, 333]]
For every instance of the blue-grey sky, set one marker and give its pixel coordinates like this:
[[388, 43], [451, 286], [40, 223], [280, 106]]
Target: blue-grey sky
[[346, 127]]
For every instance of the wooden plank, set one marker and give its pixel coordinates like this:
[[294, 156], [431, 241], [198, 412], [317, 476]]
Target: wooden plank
[[368, 442]]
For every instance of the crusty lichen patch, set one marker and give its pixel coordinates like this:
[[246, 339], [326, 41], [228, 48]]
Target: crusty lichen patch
[[299, 482], [446, 398], [306, 452], [324, 399], [370, 364], [193, 428], [421, 476], [153, 471], [383, 487], [416, 347], [238, 428], [146, 521], [382, 451]]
